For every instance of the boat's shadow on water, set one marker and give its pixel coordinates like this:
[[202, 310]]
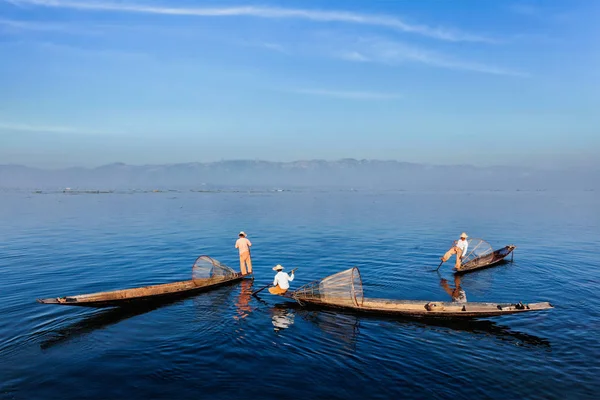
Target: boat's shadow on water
[[98, 320], [346, 325]]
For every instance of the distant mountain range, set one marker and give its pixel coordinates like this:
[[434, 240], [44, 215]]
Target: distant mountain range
[[345, 173]]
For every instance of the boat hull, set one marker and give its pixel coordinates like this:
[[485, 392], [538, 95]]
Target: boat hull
[[143, 295], [425, 309]]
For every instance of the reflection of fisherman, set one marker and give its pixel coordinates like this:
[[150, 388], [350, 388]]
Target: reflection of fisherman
[[460, 249], [242, 304], [457, 293], [282, 319], [281, 283]]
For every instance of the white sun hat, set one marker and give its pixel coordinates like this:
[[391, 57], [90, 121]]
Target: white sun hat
[[278, 268], [242, 233], [463, 235]]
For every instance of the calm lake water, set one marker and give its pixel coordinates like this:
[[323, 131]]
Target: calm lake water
[[225, 344]]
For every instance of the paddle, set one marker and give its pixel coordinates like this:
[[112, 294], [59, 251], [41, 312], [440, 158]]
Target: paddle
[[260, 290], [266, 286], [439, 266]]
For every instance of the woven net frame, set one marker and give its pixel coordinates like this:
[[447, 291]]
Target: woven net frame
[[479, 253], [344, 289], [207, 268]]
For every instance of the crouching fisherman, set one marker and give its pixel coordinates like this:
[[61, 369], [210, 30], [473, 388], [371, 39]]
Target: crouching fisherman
[[281, 283], [460, 249]]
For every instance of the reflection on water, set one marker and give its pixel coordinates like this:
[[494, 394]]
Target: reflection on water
[[457, 293], [92, 322], [281, 318], [213, 300], [242, 303], [344, 326], [196, 346]]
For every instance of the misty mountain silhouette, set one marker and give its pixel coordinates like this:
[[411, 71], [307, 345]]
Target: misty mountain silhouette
[[344, 173]]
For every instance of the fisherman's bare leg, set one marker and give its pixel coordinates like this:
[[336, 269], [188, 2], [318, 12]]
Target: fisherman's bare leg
[[449, 253]]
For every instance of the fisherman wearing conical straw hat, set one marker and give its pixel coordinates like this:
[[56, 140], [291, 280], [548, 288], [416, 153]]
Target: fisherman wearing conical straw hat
[[460, 249], [243, 245], [281, 283]]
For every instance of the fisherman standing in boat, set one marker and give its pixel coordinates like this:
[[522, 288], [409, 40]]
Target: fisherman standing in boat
[[281, 283], [243, 245], [460, 249]]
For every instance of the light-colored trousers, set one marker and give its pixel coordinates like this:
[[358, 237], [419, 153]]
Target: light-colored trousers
[[245, 260], [277, 290], [455, 250]]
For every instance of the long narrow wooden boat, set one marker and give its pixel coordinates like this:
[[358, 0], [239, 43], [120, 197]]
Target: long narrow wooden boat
[[207, 274], [344, 291]]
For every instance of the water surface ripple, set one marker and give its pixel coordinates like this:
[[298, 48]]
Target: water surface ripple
[[226, 344]]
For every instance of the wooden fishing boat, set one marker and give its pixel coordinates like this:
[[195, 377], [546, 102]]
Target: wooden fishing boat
[[486, 261], [344, 290], [480, 255], [207, 274]]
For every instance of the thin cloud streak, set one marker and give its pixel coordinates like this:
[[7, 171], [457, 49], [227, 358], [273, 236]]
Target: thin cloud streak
[[49, 129], [273, 13], [349, 95], [383, 51], [22, 26]]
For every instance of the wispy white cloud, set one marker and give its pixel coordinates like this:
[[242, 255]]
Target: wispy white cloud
[[353, 56], [384, 51], [545, 14], [275, 47], [43, 26], [17, 127], [384, 21], [349, 95]]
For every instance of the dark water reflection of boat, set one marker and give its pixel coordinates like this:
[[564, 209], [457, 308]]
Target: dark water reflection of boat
[[112, 316], [344, 326], [90, 323]]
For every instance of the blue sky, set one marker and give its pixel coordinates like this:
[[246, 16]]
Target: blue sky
[[143, 81]]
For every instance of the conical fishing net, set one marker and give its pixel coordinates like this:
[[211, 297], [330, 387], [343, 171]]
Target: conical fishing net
[[206, 267], [343, 288], [479, 253]]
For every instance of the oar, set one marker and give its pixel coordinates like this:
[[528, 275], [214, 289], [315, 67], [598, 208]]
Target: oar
[[260, 290], [439, 266]]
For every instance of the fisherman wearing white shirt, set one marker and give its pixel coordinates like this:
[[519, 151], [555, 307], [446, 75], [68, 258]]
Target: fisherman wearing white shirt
[[281, 283], [460, 249]]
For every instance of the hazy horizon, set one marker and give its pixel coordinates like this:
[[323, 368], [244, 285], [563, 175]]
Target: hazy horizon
[[551, 165], [347, 173]]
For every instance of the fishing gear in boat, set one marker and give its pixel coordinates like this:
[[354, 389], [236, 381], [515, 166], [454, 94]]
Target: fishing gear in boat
[[480, 255], [344, 290]]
